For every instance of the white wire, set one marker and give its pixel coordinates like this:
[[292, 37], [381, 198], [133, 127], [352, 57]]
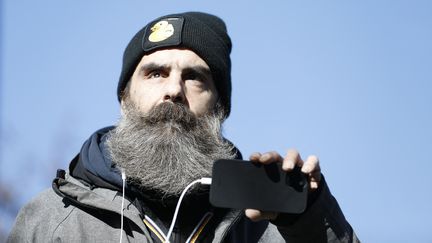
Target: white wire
[[203, 181], [206, 181], [123, 175]]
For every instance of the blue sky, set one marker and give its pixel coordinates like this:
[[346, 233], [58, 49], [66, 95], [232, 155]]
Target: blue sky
[[349, 81]]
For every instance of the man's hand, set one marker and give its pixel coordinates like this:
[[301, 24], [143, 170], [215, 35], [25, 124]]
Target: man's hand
[[310, 167]]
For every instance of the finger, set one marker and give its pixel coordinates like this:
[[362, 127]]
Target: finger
[[270, 157], [255, 157], [292, 158], [315, 180], [257, 215], [311, 164], [312, 168]]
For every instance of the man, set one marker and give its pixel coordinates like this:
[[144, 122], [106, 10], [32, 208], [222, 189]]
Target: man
[[175, 92]]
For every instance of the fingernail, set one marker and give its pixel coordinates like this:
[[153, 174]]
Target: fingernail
[[265, 157], [289, 165]]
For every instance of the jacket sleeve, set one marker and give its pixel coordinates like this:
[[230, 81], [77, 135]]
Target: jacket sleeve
[[18, 233], [323, 221]]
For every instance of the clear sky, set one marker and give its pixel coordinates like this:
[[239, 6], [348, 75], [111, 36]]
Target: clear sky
[[349, 81]]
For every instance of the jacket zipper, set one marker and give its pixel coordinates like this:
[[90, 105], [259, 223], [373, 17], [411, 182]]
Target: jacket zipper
[[234, 222]]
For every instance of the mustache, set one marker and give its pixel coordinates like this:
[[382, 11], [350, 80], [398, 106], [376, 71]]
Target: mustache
[[170, 112]]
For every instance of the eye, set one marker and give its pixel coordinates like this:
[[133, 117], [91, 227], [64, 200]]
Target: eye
[[194, 76], [155, 74]]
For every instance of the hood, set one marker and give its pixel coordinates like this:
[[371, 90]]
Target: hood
[[93, 164]]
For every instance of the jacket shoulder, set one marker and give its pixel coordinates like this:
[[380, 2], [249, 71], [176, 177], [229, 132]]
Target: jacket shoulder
[[38, 219]]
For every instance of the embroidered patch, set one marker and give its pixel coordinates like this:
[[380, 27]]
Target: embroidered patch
[[164, 32]]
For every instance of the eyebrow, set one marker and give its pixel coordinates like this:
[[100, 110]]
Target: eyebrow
[[153, 66], [199, 69]]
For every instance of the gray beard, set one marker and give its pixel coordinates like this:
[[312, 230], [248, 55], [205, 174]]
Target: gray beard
[[168, 147]]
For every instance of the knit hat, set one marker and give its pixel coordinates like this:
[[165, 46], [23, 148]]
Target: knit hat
[[204, 34]]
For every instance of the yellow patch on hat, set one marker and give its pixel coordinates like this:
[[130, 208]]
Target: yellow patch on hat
[[162, 30]]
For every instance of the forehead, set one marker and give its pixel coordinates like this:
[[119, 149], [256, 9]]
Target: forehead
[[175, 57]]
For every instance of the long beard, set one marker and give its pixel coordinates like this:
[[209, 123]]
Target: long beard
[[168, 147]]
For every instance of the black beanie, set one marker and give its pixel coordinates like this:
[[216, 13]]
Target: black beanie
[[204, 34]]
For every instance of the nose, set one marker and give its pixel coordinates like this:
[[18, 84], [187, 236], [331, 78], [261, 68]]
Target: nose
[[174, 90]]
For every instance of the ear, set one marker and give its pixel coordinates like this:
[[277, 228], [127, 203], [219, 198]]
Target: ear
[[123, 97], [122, 107]]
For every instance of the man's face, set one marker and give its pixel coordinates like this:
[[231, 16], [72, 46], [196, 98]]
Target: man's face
[[173, 75]]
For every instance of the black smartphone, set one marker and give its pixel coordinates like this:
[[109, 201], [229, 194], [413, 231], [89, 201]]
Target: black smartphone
[[243, 184]]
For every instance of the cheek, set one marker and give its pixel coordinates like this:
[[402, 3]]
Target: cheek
[[202, 103], [144, 97]]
